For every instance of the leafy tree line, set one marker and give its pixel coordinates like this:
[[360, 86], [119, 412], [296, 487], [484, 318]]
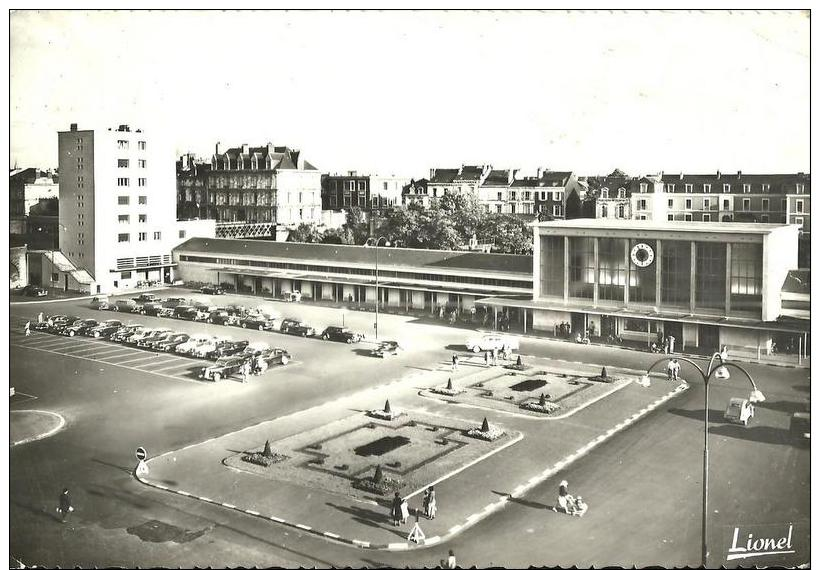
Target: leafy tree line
[[449, 223]]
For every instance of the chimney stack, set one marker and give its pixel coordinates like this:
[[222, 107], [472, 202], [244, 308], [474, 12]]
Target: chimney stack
[[218, 150], [244, 148], [738, 173], [681, 175], [538, 172], [73, 126], [432, 173], [718, 174]]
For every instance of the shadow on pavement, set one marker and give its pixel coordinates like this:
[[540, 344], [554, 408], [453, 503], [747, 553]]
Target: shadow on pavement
[[802, 388], [762, 434], [523, 502], [361, 351], [127, 470], [368, 517], [786, 406], [715, 416], [42, 511]]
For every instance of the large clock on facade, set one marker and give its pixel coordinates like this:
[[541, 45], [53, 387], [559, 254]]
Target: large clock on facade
[[642, 255]]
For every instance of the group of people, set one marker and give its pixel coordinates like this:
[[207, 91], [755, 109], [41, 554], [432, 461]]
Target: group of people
[[256, 365], [673, 370], [400, 508], [491, 356], [568, 504], [664, 344]]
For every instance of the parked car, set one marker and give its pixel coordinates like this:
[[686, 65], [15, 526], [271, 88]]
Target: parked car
[[387, 348], [100, 302], [152, 308], [342, 334], [54, 323], [298, 328], [79, 327], [276, 356], [125, 332], [492, 341], [283, 326], [105, 328], [156, 336], [138, 335], [189, 313], [172, 342], [60, 326], [222, 317], [291, 296], [146, 298], [260, 322], [195, 341], [165, 312], [173, 302], [739, 411], [127, 306], [230, 348], [33, 291], [222, 368], [212, 290], [207, 347]]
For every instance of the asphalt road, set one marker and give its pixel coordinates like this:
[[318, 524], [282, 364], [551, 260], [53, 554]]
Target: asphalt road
[[643, 486]]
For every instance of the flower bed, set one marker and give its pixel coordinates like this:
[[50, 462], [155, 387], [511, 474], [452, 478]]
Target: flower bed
[[382, 415], [545, 408], [491, 434], [447, 391], [386, 486], [263, 460]]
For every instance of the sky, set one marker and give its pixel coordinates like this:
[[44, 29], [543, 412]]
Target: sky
[[403, 92]]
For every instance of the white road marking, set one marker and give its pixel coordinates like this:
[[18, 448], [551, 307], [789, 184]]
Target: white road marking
[[143, 357], [303, 526], [162, 361], [185, 363], [112, 350]]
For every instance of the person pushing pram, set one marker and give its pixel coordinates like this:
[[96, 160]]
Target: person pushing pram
[[568, 504]]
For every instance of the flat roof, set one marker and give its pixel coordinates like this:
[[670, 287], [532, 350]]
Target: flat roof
[[662, 225], [334, 253]]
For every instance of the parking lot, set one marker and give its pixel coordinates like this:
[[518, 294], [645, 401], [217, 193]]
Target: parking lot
[[167, 365]]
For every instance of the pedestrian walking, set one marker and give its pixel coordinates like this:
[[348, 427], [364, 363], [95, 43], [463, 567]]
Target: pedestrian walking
[[395, 509], [670, 370], [455, 362], [40, 317], [495, 356], [518, 361], [429, 503], [243, 372], [563, 497], [675, 369], [65, 505], [27, 328], [405, 511], [451, 560], [486, 358], [671, 344]]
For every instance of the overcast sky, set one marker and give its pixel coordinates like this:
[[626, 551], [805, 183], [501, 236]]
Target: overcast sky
[[402, 92]]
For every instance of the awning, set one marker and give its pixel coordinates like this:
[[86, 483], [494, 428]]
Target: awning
[[143, 267], [526, 302]]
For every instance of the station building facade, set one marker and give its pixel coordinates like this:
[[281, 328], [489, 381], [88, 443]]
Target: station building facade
[[706, 284], [409, 280]]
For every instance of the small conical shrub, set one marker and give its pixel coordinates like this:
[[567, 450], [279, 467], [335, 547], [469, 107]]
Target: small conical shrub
[[449, 383], [542, 400], [267, 452], [603, 372], [387, 407], [377, 476], [485, 425]]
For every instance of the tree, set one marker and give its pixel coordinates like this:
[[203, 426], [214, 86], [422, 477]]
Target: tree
[[338, 235], [357, 225], [377, 476], [387, 407], [485, 425], [573, 206], [509, 234], [305, 233], [267, 452]]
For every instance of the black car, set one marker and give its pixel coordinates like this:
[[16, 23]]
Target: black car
[[33, 291], [188, 313], [212, 290], [298, 328], [153, 308], [125, 332], [229, 348], [173, 302], [81, 326], [223, 368], [220, 317], [342, 334], [153, 339], [259, 322], [146, 298], [172, 341], [105, 328]]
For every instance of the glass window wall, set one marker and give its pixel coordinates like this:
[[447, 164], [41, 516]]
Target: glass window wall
[[642, 279], [710, 276], [612, 269], [676, 267], [746, 277], [552, 266], [581, 267]]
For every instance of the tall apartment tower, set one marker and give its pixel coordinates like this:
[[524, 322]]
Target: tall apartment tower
[[117, 206]]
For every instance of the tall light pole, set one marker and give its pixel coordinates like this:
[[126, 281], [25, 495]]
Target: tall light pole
[[721, 373], [375, 242]]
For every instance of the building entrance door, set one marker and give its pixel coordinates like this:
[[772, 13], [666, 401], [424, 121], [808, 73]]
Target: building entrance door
[[672, 328], [608, 326], [579, 324], [709, 337]]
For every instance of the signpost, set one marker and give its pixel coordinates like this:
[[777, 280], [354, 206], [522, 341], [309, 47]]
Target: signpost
[[142, 468]]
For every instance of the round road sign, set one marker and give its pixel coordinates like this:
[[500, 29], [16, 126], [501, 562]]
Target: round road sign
[[141, 453]]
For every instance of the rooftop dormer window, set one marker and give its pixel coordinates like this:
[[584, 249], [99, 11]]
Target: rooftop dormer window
[[644, 189], [605, 193]]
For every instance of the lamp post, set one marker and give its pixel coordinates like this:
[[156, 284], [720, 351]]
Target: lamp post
[[721, 373], [375, 242]]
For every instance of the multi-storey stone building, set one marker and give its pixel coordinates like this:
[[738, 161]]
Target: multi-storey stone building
[[370, 193], [250, 191]]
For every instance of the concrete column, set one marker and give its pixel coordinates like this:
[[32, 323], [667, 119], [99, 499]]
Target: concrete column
[[728, 278], [628, 271], [566, 269], [693, 252], [595, 272], [495, 318], [658, 273]]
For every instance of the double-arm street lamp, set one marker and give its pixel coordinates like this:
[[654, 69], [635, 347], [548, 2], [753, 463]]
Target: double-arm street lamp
[[720, 372], [375, 242]]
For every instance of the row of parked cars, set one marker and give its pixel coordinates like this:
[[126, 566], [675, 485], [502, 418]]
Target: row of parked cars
[[230, 355], [232, 315]]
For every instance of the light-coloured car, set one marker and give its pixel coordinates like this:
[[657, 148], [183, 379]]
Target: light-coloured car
[[202, 350], [492, 341], [193, 342], [739, 411]]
